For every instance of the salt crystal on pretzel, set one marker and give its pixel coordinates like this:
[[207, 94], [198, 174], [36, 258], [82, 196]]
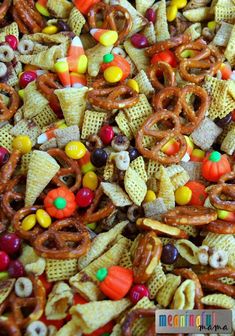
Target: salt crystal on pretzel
[[219, 300], [165, 294], [102, 313], [76, 21], [60, 9], [161, 25], [92, 123], [184, 297], [138, 56], [100, 243], [135, 186], [73, 104], [188, 251], [166, 189], [42, 168], [34, 101], [198, 14], [54, 310], [95, 58], [144, 83], [116, 194]]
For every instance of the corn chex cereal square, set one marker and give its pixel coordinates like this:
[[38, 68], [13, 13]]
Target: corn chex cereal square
[[139, 110], [144, 83], [123, 124], [135, 186], [139, 166], [92, 122]]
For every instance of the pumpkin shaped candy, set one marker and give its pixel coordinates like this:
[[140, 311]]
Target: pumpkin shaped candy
[[60, 203], [115, 282], [214, 166]]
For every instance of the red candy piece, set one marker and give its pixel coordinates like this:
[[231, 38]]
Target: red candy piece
[[139, 41], [214, 166], [84, 197], [10, 243], [106, 134], [137, 292], [226, 71], [165, 56], [26, 78], [12, 41], [84, 5], [47, 285], [4, 261], [56, 323], [4, 156], [16, 269], [199, 194], [150, 15]]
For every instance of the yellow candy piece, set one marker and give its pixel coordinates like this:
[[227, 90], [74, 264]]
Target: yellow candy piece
[[90, 180], [92, 226], [23, 143], [211, 25], [179, 3], [150, 196], [108, 38], [198, 153], [190, 144], [133, 85], [42, 10], [171, 13], [50, 30], [183, 195], [75, 150], [43, 219], [82, 64], [21, 93], [61, 66], [29, 222], [113, 74]]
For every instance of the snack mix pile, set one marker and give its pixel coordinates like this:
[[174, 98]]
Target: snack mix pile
[[117, 163]]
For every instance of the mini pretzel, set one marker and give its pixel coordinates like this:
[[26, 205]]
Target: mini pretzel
[[162, 137], [17, 220], [216, 192], [221, 227], [34, 304], [178, 99], [190, 215], [210, 280], [28, 19], [198, 45], [47, 84], [91, 215], [135, 315], [118, 97], [111, 14], [189, 274], [147, 256], [71, 168], [4, 8], [8, 169], [12, 195], [166, 70], [161, 228], [7, 112], [65, 239], [168, 44], [228, 177]]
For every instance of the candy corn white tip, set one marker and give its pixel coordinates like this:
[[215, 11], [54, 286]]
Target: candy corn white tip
[[185, 158], [77, 85], [76, 42], [42, 138]]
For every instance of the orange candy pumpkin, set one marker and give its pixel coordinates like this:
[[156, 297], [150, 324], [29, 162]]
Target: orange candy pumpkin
[[214, 166], [84, 5], [119, 61], [60, 203], [115, 282]]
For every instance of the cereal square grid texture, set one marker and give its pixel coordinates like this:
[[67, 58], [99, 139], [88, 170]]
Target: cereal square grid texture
[[26, 127], [223, 34], [139, 166], [138, 56], [225, 13], [11, 29], [24, 164], [123, 124], [230, 50], [228, 144], [144, 83], [60, 9], [166, 293], [150, 34], [135, 186], [157, 280], [161, 24], [92, 122], [5, 137], [139, 110], [57, 270], [155, 208], [207, 130], [76, 21], [45, 117]]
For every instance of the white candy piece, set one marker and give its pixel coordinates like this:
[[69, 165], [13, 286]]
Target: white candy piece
[[36, 328], [23, 287], [122, 160], [218, 259]]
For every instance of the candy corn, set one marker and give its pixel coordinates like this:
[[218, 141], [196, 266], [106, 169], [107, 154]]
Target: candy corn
[[85, 163], [104, 36], [41, 7], [84, 5], [77, 80], [76, 48], [62, 70], [226, 215], [77, 59], [50, 132]]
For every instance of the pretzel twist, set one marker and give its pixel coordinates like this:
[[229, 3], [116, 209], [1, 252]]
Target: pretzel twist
[[4, 8], [190, 215], [168, 44], [7, 112], [164, 69], [8, 169]]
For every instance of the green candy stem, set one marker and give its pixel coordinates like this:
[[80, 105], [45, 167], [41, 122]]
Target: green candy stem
[[60, 203], [108, 58], [101, 274], [215, 156]]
